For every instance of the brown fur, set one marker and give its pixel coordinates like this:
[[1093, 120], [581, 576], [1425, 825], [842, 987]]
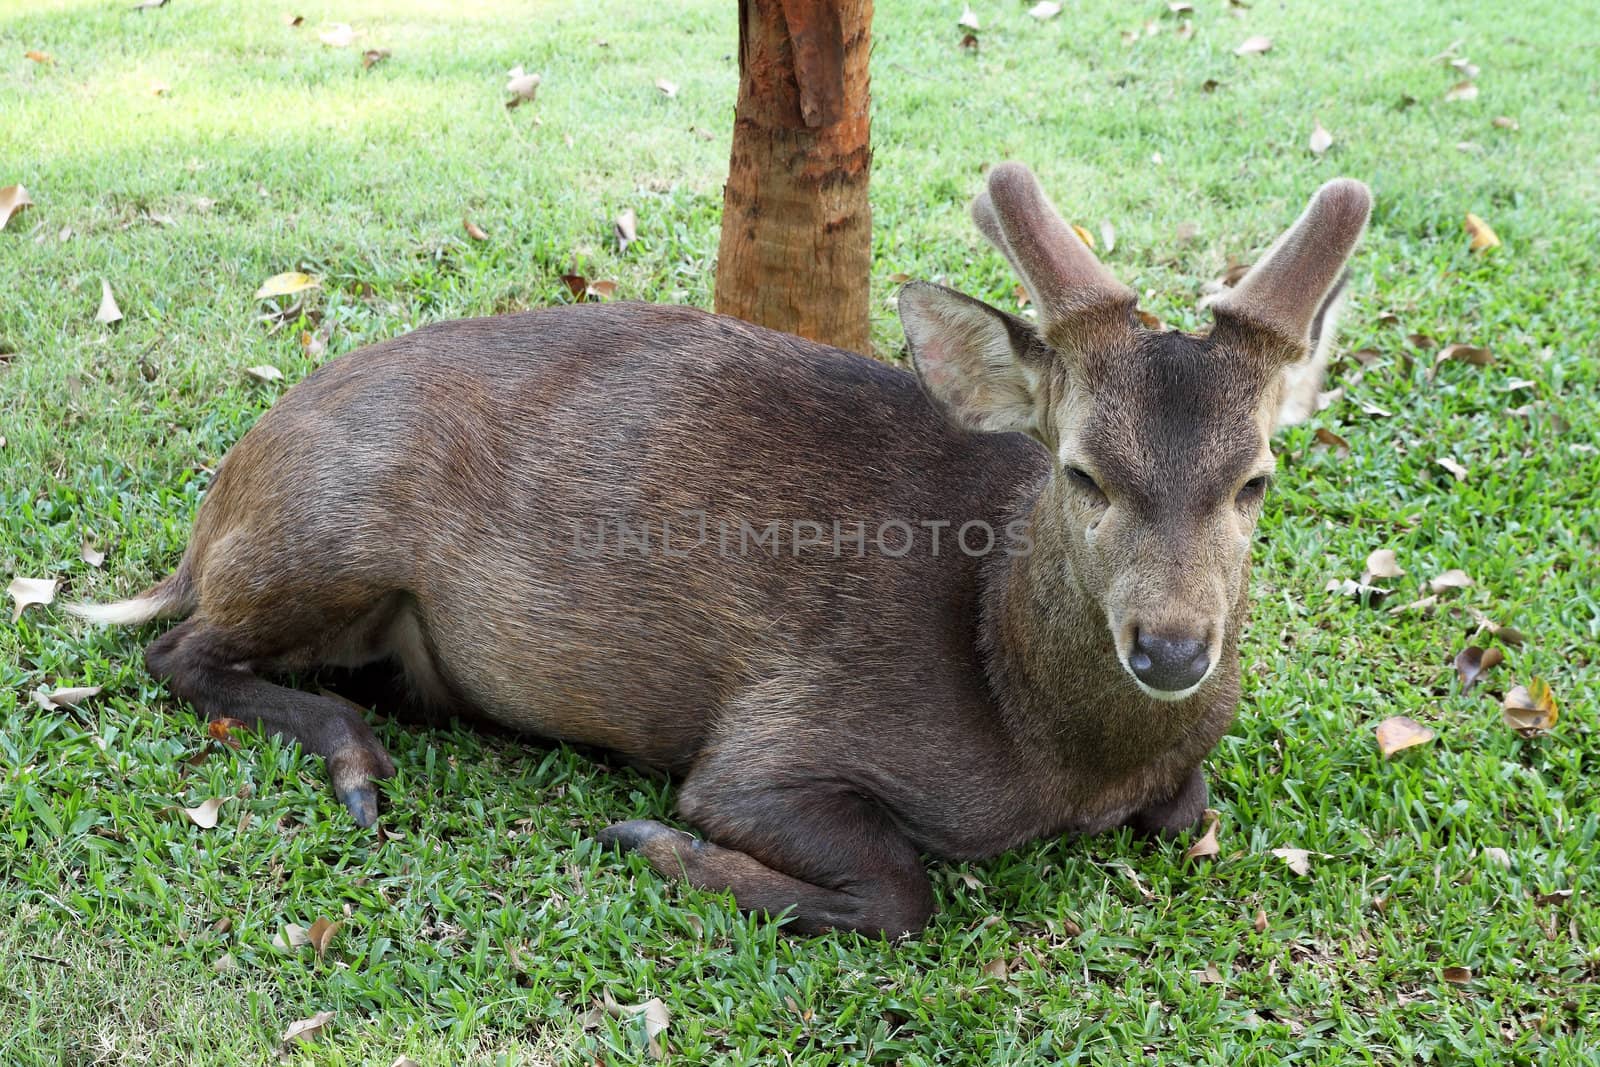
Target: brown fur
[[831, 718]]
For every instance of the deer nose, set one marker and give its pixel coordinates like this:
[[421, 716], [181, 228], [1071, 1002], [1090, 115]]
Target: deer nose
[[1167, 663]]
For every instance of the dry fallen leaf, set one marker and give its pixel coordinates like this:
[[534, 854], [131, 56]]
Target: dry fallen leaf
[[160, 88], [655, 1015], [292, 936], [1381, 563], [1483, 235], [1045, 9], [1207, 845], [90, 554], [266, 372], [321, 935], [1209, 975], [1108, 236], [1462, 90], [1253, 46], [1473, 661], [222, 730], [1423, 606], [337, 35], [474, 231], [38, 56], [372, 57], [1326, 440], [969, 43], [1321, 139], [29, 591], [286, 284], [522, 86], [1298, 859], [205, 816], [306, 1029], [1558, 896], [109, 312], [1399, 732], [626, 227], [291, 19], [1498, 855], [1454, 578], [1530, 710], [1261, 921], [1473, 355], [968, 19], [1186, 231], [53, 699], [1083, 235], [13, 198], [669, 89], [1458, 975], [1457, 471], [1349, 587], [996, 968], [405, 1061], [1505, 122]]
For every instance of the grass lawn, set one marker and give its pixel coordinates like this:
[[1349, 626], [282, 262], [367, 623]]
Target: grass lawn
[[482, 925]]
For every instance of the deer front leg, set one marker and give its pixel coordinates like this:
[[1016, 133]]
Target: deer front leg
[[837, 862], [1173, 816]]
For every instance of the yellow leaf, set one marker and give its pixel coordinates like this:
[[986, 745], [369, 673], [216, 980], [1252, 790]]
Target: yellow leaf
[[1530, 710], [1083, 235], [1483, 237], [1399, 732], [286, 284]]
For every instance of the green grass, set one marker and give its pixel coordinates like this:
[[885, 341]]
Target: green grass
[[489, 926]]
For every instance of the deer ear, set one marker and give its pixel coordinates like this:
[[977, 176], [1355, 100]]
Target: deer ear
[[977, 363], [1289, 286]]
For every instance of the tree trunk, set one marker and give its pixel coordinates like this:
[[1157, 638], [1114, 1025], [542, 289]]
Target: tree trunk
[[796, 249]]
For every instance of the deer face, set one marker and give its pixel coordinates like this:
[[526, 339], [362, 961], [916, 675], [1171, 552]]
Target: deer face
[[1160, 441]]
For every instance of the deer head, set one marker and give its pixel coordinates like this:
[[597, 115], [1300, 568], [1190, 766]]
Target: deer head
[[1160, 440]]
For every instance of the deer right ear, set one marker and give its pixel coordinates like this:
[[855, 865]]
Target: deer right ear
[[979, 364]]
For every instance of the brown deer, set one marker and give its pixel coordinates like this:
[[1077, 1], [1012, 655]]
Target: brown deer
[[862, 618]]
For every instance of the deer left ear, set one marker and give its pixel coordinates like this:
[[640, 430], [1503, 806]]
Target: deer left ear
[[980, 365]]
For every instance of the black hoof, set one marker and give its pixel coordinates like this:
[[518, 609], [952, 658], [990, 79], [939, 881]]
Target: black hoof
[[636, 833], [362, 800]]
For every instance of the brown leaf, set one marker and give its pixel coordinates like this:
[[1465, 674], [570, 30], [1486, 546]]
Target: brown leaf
[[1454, 578], [405, 1061], [1505, 122], [1186, 231], [1261, 921], [321, 935], [1530, 710], [90, 554], [222, 730], [1559, 896], [109, 312], [1298, 859], [1399, 732], [1021, 295], [655, 1015], [576, 284], [1209, 975], [1462, 90], [1321, 139], [474, 231], [996, 968], [1045, 9], [1381, 563], [38, 56], [292, 20], [337, 35], [1328, 440], [626, 228], [205, 815], [225, 964], [521, 85], [313, 344], [30, 591], [1473, 661], [1482, 234], [372, 57], [306, 1029], [1471, 355], [1207, 845], [1148, 320], [605, 290], [669, 89], [1456, 470], [291, 937], [1458, 975], [969, 43], [1253, 46]]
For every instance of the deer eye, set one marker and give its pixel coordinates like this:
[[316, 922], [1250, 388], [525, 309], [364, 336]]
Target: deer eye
[[1081, 478], [1254, 489]]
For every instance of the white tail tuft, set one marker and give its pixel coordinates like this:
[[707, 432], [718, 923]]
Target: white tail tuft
[[123, 612]]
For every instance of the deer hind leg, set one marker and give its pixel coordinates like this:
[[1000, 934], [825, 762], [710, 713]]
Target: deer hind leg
[[214, 669], [836, 860], [1173, 816]]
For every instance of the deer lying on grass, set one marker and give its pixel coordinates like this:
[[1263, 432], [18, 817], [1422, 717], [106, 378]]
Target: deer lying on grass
[[861, 618]]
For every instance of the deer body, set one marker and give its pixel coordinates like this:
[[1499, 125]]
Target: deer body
[[859, 626]]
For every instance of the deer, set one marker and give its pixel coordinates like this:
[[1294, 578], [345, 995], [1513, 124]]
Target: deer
[[860, 615]]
